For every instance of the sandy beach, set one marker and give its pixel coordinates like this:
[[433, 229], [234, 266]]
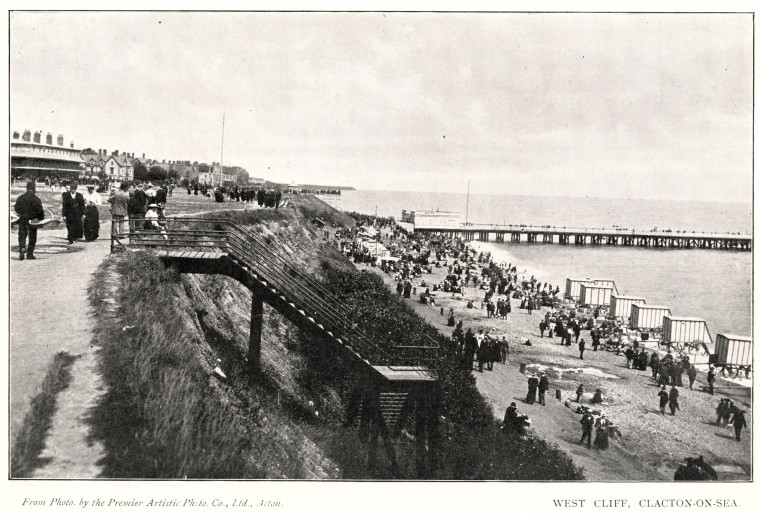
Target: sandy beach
[[652, 445]]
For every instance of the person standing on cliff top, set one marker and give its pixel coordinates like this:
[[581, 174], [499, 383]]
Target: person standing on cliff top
[[470, 347], [28, 207], [92, 201], [72, 213]]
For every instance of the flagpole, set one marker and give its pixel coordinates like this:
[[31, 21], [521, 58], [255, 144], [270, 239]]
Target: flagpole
[[467, 219]]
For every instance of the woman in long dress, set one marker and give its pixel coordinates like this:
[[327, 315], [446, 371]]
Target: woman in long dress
[[91, 217], [602, 439]]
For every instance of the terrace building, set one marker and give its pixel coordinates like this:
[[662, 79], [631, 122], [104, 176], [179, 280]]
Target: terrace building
[[33, 158]]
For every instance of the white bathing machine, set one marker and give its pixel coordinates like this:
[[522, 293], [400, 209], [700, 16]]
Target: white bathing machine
[[606, 282], [647, 317], [573, 287], [620, 306], [734, 350], [592, 294]]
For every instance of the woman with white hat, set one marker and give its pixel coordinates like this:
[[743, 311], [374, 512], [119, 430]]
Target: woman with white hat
[[92, 201]]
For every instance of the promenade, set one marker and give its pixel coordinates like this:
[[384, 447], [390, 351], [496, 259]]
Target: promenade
[[50, 313]]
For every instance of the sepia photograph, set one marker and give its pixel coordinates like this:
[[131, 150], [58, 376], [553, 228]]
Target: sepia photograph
[[253, 254]]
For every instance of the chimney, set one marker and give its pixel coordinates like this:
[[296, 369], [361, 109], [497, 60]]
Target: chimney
[[60, 139], [37, 136], [15, 134], [72, 144], [116, 153], [49, 139], [143, 156], [27, 135], [105, 152]]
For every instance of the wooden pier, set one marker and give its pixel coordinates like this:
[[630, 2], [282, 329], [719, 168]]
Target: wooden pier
[[595, 237]]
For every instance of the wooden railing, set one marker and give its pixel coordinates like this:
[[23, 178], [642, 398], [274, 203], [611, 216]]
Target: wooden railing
[[306, 294]]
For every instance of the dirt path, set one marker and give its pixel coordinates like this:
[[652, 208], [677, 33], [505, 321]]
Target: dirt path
[[651, 446], [50, 314]]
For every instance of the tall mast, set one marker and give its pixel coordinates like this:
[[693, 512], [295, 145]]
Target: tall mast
[[467, 216]]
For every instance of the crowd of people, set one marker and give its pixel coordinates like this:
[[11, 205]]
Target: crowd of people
[[500, 286]]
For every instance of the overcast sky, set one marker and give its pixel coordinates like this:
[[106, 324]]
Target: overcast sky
[[605, 105]]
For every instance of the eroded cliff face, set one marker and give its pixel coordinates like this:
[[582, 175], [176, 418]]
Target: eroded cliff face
[[295, 408]]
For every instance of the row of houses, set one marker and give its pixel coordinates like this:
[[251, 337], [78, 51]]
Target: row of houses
[[31, 157]]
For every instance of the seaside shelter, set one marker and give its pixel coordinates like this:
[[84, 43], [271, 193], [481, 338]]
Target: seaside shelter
[[592, 294], [648, 316], [734, 350], [620, 306]]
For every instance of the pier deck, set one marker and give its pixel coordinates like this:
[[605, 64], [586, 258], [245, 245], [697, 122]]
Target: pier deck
[[590, 236]]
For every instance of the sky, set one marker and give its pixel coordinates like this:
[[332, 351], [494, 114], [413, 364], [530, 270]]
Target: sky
[[654, 106]]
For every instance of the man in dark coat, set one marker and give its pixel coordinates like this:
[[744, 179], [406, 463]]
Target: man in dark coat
[[654, 363], [543, 386], [643, 359], [673, 401], [73, 211], [579, 393], [28, 207], [723, 411], [139, 206], [504, 349], [510, 418], [628, 357], [581, 347], [679, 369], [663, 394], [587, 422], [739, 422], [692, 374], [470, 347], [694, 470], [160, 200], [710, 379]]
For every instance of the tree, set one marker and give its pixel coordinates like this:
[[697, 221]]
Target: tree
[[156, 173], [203, 168], [140, 171]]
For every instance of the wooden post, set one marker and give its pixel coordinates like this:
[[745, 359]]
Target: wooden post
[[372, 403], [254, 339], [433, 429], [419, 436]]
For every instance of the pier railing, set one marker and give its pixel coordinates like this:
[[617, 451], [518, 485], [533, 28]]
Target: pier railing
[[199, 237]]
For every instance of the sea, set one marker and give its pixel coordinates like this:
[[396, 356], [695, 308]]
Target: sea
[[712, 284]]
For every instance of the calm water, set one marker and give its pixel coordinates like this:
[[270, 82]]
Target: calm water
[[711, 284]]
